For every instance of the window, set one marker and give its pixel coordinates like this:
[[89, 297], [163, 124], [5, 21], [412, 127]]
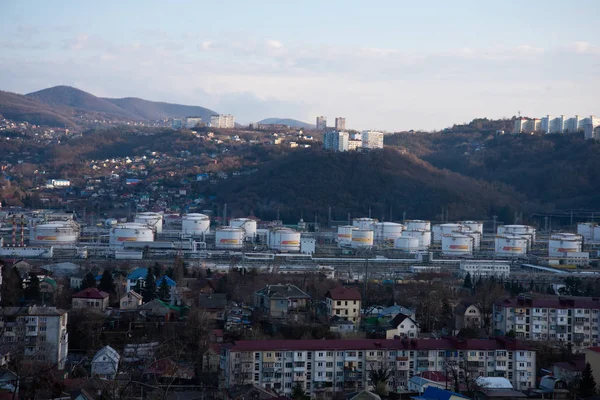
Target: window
[[257, 367], [288, 374], [257, 356], [329, 365], [256, 377], [321, 354], [339, 303], [278, 355], [330, 354]]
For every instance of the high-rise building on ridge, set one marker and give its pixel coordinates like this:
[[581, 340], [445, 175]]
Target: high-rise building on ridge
[[372, 140], [336, 141], [559, 124], [340, 124], [223, 121], [321, 123], [591, 128], [192, 122]]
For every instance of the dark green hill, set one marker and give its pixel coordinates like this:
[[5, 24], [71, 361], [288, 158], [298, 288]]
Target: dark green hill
[[154, 110], [20, 108]]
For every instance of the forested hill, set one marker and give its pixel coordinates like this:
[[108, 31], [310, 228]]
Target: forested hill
[[308, 182]]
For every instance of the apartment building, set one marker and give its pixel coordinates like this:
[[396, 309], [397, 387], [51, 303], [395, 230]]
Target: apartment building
[[324, 367], [36, 333], [344, 303], [565, 319], [223, 121], [340, 124], [372, 140], [335, 141], [321, 123]]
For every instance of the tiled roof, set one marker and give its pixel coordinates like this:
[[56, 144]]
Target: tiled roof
[[91, 293], [342, 293]]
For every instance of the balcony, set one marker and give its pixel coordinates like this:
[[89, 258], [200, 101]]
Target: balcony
[[352, 375], [299, 369]]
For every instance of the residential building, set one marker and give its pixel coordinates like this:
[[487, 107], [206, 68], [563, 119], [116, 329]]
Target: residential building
[[354, 145], [323, 367], [105, 363], [58, 183], [344, 303], [402, 326], [138, 276], [90, 299], [177, 123], [546, 124], [495, 387], [564, 319], [591, 128], [340, 124], [192, 122], [485, 268], [281, 301], [321, 123], [372, 140], [419, 383], [130, 301], [336, 141], [42, 330], [214, 304], [223, 121], [571, 370], [467, 315]]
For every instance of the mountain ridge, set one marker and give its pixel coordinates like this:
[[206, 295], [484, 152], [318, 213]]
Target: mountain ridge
[[292, 123]]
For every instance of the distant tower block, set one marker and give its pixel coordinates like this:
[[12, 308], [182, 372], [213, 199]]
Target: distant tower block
[[340, 124], [321, 123]]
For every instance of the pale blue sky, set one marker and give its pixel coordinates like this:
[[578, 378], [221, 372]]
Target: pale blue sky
[[383, 64]]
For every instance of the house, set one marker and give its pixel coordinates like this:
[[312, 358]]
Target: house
[[420, 383], [552, 388], [211, 358], [344, 303], [243, 392], [140, 352], [363, 395], [170, 283], [569, 370], [281, 301], [76, 279], [130, 301], [214, 304], [402, 326], [435, 393], [161, 311], [90, 299], [48, 289], [467, 315], [138, 275], [495, 388], [105, 363]]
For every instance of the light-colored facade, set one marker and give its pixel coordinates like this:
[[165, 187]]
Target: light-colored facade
[[105, 363], [335, 141], [321, 123], [323, 367], [344, 303], [130, 301], [90, 299], [340, 124], [192, 122], [485, 268], [562, 319], [591, 128], [354, 145], [40, 333], [58, 183], [222, 121], [372, 140], [405, 326], [467, 316]]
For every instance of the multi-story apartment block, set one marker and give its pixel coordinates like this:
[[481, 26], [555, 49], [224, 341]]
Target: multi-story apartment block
[[485, 268], [572, 319], [35, 333], [560, 124], [335, 141], [372, 140], [192, 122], [321, 123], [591, 127], [223, 121], [344, 303], [354, 144], [340, 124], [324, 367]]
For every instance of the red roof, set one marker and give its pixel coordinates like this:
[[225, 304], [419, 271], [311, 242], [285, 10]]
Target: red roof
[[434, 376], [91, 293], [594, 349], [342, 293], [499, 343], [558, 302]]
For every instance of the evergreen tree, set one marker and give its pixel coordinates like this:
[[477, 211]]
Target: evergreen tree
[[138, 287], [587, 384], [107, 283], [88, 281], [12, 287], [157, 271], [298, 392], [468, 283], [164, 291], [149, 292], [33, 292]]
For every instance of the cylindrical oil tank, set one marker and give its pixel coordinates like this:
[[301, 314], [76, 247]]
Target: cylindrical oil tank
[[284, 240], [364, 223], [444, 229], [362, 238], [130, 232], [407, 243], [516, 230], [475, 226], [422, 235], [586, 229], [387, 231], [249, 225], [54, 233], [476, 238], [344, 235], [562, 243], [152, 219], [415, 224], [195, 224], [456, 244], [511, 245], [229, 237]]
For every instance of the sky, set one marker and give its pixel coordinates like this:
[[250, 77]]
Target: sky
[[390, 65]]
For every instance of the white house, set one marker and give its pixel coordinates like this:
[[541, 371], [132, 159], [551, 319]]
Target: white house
[[105, 363], [130, 301], [402, 326]]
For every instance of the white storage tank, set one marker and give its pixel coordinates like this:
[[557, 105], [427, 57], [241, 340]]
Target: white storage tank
[[562, 243], [54, 233], [586, 229], [362, 238], [388, 231], [456, 244], [475, 226], [284, 240], [344, 235], [422, 235], [407, 243], [511, 245], [476, 238], [229, 237], [516, 230], [130, 232], [444, 229], [152, 219], [416, 224], [364, 223], [249, 225], [195, 224]]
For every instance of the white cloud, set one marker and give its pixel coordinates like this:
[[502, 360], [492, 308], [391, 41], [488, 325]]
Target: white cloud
[[274, 44]]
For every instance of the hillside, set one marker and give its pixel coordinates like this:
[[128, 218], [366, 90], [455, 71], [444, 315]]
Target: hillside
[[293, 123], [308, 182], [20, 108], [81, 101], [153, 110]]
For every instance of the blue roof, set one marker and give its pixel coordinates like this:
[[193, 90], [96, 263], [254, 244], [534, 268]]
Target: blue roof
[[434, 393], [170, 282], [137, 274]]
